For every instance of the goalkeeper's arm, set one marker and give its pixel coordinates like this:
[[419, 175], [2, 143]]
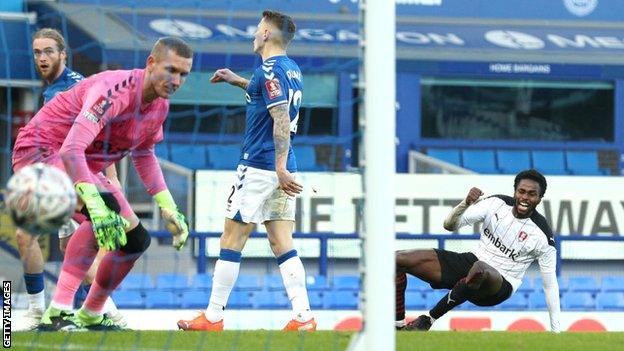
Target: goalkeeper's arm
[[175, 222]]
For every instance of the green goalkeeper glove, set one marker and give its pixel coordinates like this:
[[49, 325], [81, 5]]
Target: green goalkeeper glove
[[108, 226], [175, 222]]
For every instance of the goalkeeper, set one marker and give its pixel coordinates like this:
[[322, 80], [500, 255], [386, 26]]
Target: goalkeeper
[[83, 130]]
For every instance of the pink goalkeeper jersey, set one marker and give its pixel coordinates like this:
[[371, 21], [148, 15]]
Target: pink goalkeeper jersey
[[98, 122]]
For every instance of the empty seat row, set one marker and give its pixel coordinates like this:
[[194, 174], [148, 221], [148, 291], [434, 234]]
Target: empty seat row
[[573, 284], [514, 161], [238, 299], [226, 157], [179, 282], [273, 282], [534, 300], [610, 301]]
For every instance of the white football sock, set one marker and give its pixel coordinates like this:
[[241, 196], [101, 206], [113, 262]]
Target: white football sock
[[109, 306], [293, 275], [223, 280], [37, 301]]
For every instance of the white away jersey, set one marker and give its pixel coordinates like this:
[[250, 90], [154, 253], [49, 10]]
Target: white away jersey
[[510, 244]]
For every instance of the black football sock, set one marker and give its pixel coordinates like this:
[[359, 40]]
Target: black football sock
[[458, 295]]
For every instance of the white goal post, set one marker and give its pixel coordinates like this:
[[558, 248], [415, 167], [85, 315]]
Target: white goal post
[[379, 88]]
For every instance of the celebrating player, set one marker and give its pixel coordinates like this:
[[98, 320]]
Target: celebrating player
[[266, 185], [82, 131], [513, 235]]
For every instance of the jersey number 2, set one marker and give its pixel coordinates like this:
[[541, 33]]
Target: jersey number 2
[[294, 98]]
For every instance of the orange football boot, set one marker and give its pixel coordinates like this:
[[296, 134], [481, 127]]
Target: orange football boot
[[201, 323], [295, 325]]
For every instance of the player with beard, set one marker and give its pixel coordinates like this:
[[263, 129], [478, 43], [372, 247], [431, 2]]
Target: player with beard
[[84, 130], [513, 235], [50, 56]]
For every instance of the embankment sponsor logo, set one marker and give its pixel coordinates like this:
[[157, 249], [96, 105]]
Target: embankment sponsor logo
[[511, 253]]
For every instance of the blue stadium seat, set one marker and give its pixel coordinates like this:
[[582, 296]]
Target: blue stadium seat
[[613, 284], [583, 283], [128, 299], [161, 299], [432, 297], [516, 302], [346, 282], [578, 301], [341, 300], [316, 282], [195, 299], [584, 163], [248, 283], [202, 281], [273, 282], [223, 156], [271, 300], [549, 162], [415, 284], [610, 301], [162, 150], [447, 155], [136, 281], [240, 299], [188, 155], [513, 161], [480, 161], [526, 287], [415, 300], [306, 159], [171, 281], [316, 299], [537, 300]]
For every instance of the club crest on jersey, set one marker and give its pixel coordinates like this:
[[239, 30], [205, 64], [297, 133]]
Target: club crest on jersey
[[522, 235], [98, 109], [274, 89]]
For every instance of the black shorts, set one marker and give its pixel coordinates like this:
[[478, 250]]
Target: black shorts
[[455, 266]]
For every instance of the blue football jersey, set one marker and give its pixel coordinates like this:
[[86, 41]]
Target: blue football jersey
[[65, 81], [277, 81]]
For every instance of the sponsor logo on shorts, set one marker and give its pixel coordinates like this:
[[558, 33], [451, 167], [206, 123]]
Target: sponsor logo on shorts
[[273, 88]]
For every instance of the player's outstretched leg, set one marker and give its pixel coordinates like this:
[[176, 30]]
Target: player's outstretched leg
[[482, 281], [425, 265]]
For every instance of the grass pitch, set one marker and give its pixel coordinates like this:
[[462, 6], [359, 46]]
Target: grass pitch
[[317, 341]]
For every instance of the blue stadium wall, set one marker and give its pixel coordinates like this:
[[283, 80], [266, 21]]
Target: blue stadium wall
[[560, 40]]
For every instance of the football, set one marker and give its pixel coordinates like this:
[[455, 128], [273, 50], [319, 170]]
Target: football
[[40, 198]]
